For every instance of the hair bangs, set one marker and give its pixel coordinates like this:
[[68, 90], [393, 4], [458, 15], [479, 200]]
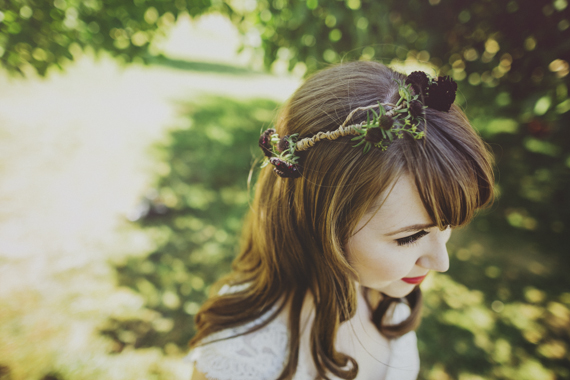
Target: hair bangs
[[452, 168]]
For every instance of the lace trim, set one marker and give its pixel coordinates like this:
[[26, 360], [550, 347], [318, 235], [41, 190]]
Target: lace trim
[[255, 356]]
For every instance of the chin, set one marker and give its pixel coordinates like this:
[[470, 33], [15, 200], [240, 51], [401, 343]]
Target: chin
[[397, 292]]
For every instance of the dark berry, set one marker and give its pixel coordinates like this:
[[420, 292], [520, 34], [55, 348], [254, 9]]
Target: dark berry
[[441, 94], [419, 81], [284, 169], [373, 135], [416, 108], [386, 122], [265, 142]]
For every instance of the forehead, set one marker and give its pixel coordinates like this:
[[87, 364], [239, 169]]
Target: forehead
[[400, 206]]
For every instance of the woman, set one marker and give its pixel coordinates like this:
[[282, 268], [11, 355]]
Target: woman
[[339, 238]]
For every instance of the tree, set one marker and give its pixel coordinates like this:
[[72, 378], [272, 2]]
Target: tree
[[38, 34]]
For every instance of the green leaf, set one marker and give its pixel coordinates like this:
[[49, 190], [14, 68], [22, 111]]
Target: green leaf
[[357, 138], [375, 114], [367, 148], [381, 109], [360, 143]]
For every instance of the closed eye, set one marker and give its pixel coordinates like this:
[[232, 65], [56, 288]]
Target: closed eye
[[412, 238]]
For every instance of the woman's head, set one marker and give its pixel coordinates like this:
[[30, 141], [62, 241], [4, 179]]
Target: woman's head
[[317, 214]]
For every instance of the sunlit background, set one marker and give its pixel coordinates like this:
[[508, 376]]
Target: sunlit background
[[128, 128]]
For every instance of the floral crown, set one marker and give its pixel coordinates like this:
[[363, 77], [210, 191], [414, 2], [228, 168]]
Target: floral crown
[[391, 121]]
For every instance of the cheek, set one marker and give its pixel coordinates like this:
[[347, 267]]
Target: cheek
[[380, 261]]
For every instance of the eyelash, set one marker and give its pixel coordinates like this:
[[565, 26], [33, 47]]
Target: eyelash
[[408, 240]]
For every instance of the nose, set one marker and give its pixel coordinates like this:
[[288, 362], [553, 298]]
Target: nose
[[435, 256]]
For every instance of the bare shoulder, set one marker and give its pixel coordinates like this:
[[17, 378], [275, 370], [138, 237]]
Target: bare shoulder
[[197, 375]]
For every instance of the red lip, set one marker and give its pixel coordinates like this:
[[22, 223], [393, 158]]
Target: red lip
[[414, 280]]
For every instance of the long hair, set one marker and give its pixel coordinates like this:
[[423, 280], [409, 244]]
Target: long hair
[[295, 233]]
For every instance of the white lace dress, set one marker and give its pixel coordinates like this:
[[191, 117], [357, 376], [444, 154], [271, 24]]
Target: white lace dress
[[261, 355]]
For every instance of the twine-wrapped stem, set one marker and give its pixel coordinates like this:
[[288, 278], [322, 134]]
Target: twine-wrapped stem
[[345, 130]]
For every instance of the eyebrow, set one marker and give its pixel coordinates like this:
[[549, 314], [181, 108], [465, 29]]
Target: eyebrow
[[413, 227]]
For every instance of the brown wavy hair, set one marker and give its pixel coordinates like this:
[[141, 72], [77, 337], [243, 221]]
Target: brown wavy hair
[[296, 230]]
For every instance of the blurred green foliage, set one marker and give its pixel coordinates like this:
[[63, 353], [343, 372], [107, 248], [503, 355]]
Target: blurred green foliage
[[194, 215], [40, 34]]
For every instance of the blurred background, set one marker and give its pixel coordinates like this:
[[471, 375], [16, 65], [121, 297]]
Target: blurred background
[[128, 129]]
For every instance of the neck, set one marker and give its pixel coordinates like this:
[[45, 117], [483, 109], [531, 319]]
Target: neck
[[370, 297]]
